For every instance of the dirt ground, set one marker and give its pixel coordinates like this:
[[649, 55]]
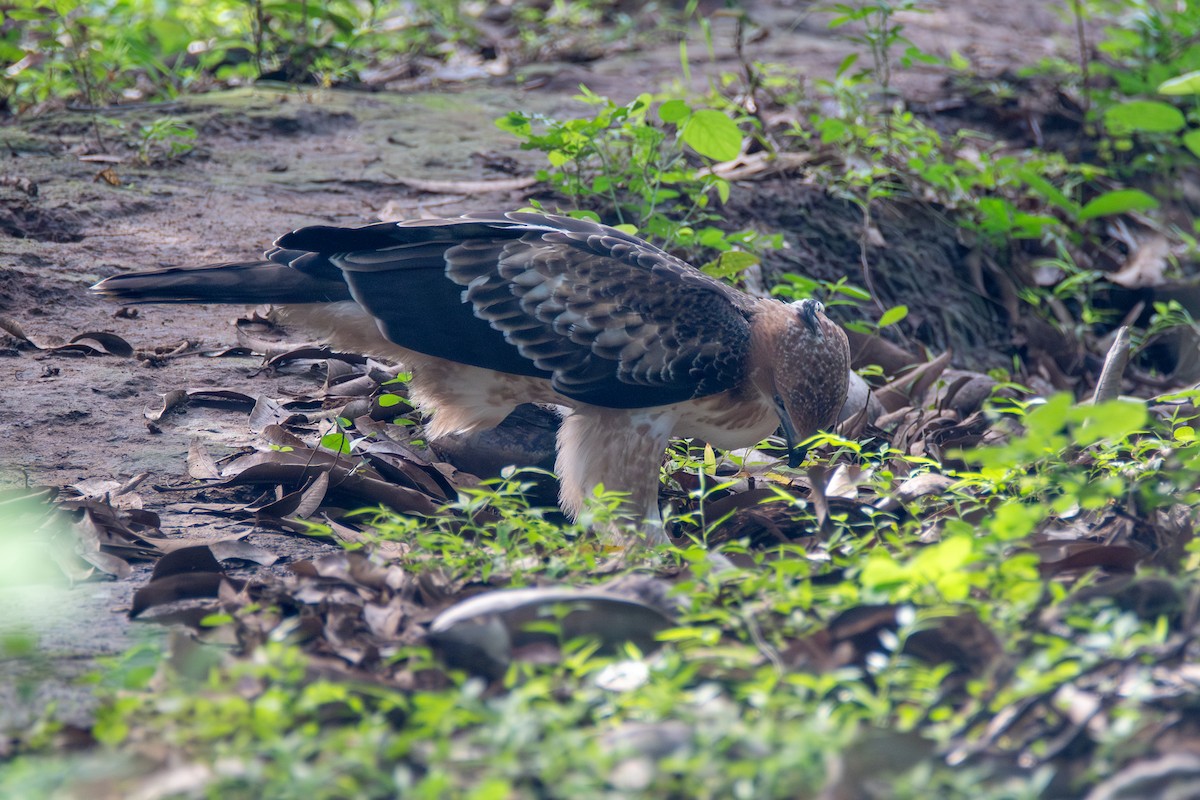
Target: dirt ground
[[268, 161]]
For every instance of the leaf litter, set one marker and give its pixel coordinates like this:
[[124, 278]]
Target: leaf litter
[[356, 611]]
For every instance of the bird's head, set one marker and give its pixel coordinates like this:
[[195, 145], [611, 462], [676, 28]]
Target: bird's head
[[810, 372]]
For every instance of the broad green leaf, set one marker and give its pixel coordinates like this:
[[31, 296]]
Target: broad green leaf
[[514, 122], [1114, 420], [893, 315], [389, 400], [1187, 83], [674, 111], [1048, 417], [881, 571], [1015, 520], [948, 555], [712, 135], [852, 291], [1117, 202], [1143, 116]]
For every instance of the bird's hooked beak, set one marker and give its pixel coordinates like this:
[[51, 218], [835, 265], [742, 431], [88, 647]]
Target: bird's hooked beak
[[809, 309], [796, 452]]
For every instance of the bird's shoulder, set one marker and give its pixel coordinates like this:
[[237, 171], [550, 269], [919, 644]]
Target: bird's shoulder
[[555, 241]]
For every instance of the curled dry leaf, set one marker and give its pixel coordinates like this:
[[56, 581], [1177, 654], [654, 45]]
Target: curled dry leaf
[[480, 634], [14, 329], [300, 504], [914, 488], [525, 438], [1147, 265], [315, 353], [961, 640], [201, 465], [861, 407], [268, 413], [1108, 385], [868, 349], [186, 573], [220, 398], [910, 388], [349, 478], [964, 392], [1059, 557], [400, 464], [182, 586], [104, 343]]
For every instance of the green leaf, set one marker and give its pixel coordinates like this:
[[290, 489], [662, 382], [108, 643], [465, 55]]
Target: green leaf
[[712, 135], [337, 442], [1187, 83], [893, 315], [948, 555], [1117, 202], [730, 264], [882, 572], [1114, 420], [852, 291], [1048, 417], [1191, 140], [514, 122], [1143, 116], [722, 190], [673, 111], [389, 400], [846, 64], [1047, 190], [1015, 520]]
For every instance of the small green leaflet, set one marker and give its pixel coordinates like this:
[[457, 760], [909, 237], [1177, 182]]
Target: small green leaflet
[[712, 135]]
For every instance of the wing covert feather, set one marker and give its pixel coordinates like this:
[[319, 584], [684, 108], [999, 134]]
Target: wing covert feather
[[608, 318]]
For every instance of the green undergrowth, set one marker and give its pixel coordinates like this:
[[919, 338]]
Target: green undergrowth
[[97, 52], [744, 698], [1045, 572]]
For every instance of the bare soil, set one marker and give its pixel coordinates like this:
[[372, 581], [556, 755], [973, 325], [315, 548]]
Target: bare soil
[[269, 161]]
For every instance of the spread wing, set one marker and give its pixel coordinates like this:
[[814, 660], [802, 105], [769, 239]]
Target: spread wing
[[606, 317]]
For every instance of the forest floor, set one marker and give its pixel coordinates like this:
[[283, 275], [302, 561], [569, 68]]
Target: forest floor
[[77, 206]]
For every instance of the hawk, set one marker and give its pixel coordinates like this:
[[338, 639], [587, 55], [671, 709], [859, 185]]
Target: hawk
[[491, 310]]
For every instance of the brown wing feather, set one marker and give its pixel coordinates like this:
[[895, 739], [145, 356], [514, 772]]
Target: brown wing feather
[[608, 318]]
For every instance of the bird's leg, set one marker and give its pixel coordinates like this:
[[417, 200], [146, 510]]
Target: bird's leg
[[621, 449]]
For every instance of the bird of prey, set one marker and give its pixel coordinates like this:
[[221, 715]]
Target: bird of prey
[[492, 310]]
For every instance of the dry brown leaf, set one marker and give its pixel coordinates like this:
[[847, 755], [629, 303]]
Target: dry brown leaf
[[200, 464], [1147, 265]]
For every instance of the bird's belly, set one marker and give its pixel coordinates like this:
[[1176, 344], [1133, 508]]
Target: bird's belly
[[726, 423]]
